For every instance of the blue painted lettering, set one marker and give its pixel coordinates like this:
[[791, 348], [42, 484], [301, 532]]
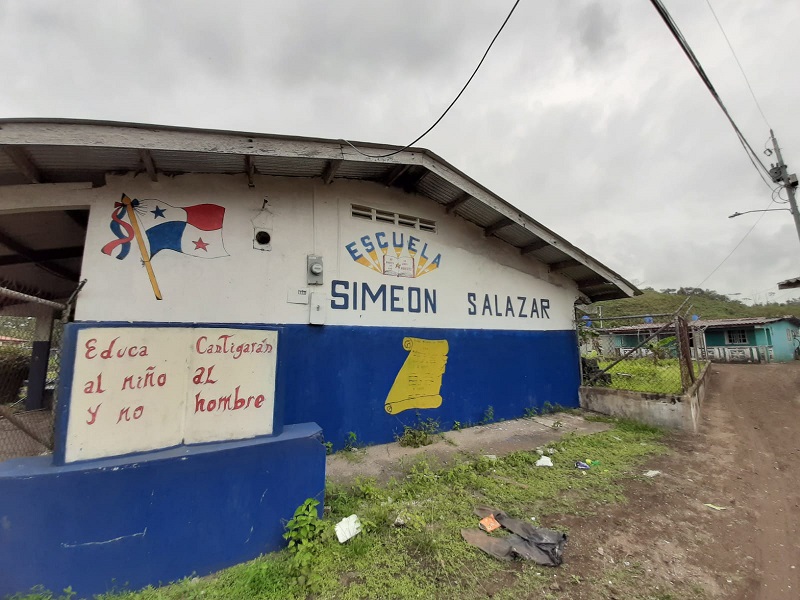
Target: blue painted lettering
[[522, 307], [398, 245], [380, 294], [339, 299], [412, 244], [395, 305], [430, 301], [351, 248], [414, 300], [380, 238], [368, 245], [487, 306], [422, 252]]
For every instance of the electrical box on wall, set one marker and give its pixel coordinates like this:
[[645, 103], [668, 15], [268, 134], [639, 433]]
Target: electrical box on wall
[[314, 272], [316, 313]]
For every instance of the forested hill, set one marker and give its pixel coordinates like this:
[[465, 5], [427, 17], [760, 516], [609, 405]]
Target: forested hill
[[707, 304]]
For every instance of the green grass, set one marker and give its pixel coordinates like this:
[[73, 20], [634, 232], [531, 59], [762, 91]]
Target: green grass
[[642, 375], [428, 558]]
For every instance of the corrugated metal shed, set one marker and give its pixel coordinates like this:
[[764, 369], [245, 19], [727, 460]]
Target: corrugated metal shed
[[35, 151]]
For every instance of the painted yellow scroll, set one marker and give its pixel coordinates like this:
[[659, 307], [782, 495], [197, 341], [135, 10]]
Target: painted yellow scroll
[[419, 381]]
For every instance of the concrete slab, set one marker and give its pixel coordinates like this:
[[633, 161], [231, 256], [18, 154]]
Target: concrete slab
[[389, 460]]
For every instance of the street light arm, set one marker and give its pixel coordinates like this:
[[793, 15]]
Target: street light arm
[[739, 214]]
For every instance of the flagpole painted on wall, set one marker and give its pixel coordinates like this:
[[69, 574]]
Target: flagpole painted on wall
[[142, 248]]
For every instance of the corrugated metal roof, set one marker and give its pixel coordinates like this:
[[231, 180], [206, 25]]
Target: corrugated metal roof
[[359, 170], [706, 323], [437, 188], [56, 150]]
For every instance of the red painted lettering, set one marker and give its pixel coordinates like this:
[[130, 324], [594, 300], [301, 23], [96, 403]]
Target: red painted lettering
[[137, 412], [91, 348], [259, 401], [94, 386], [124, 413], [93, 413], [202, 375], [199, 403]]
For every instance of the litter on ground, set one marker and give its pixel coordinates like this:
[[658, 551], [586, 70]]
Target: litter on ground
[[542, 546], [347, 528]]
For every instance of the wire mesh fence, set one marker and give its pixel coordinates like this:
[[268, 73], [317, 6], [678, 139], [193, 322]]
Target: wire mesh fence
[[653, 359], [30, 363]]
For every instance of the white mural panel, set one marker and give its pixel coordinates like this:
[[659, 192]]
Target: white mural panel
[[137, 389], [185, 251], [232, 388]]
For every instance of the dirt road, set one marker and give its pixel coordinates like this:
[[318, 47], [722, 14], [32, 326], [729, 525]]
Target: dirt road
[[754, 422], [665, 543]]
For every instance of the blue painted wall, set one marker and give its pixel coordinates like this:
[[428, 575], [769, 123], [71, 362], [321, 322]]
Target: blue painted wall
[[340, 376], [784, 340], [719, 337], [154, 517]]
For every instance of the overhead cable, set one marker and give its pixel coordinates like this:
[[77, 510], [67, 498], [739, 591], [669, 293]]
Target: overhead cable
[[741, 68], [429, 129], [676, 32]]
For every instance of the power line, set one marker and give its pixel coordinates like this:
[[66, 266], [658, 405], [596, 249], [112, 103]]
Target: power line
[[676, 32], [741, 68], [736, 247], [429, 129]]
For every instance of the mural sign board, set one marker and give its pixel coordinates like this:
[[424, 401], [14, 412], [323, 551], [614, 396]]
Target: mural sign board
[[142, 388]]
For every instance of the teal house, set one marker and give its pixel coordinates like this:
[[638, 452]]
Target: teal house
[[749, 339]]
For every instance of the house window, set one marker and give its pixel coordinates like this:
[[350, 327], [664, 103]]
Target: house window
[[737, 336], [385, 216]]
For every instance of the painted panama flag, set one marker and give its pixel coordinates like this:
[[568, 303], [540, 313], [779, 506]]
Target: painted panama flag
[[155, 226]]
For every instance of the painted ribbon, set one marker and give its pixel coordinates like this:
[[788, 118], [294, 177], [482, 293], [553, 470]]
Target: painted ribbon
[[117, 226]]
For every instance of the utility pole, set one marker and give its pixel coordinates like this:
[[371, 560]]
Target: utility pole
[[779, 174]]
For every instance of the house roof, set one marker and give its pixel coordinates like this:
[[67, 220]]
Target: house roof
[[35, 151], [794, 282], [707, 324]]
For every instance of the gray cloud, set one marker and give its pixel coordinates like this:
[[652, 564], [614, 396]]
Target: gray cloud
[[586, 115]]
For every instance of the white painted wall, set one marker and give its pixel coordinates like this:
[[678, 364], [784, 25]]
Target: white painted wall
[[307, 217]]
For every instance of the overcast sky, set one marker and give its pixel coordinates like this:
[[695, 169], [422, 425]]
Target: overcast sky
[[586, 114]]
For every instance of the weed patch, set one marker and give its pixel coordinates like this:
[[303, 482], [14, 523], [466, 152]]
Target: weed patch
[[411, 545]]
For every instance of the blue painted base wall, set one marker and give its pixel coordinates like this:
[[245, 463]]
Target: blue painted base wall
[[153, 517], [340, 376]]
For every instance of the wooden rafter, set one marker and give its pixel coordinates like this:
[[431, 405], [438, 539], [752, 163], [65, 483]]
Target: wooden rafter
[[537, 245], [42, 256], [330, 170], [564, 264], [24, 163], [497, 226], [149, 164], [30, 254], [454, 204]]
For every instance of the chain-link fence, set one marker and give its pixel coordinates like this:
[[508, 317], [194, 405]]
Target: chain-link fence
[[30, 360], [648, 357]]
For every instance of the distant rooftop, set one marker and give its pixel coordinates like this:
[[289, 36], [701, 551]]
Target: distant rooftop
[[706, 323]]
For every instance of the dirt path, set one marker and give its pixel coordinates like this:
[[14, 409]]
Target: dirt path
[[664, 540], [753, 413]]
